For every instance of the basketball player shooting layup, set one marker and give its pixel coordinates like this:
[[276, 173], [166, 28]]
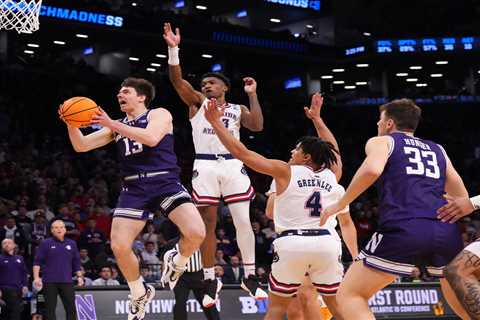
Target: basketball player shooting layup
[[150, 182], [216, 173], [308, 179], [413, 175]]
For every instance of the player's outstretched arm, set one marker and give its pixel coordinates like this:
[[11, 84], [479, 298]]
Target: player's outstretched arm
[[458, 207], [461, 275], [280, 170], [313, 113], [349, 233], [159, 124], [89, 142], [252, 119], [187, 93], [377, 149]]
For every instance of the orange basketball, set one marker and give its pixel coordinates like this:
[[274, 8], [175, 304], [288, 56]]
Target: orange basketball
[[78, 111]]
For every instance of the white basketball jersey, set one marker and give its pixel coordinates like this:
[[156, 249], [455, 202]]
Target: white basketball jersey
[[205, 139], [308, 192]]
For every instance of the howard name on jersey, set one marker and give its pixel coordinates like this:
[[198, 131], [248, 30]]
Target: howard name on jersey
[[204, 136]]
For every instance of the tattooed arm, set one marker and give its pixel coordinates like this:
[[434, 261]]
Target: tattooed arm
[[462, 274]]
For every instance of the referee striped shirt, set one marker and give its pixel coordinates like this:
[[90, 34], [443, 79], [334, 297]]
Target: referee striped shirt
[[195, 262]]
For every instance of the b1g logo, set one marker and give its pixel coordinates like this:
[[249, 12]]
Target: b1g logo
[[250, 306]]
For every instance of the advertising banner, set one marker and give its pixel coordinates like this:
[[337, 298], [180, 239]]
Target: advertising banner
[[400, 301]]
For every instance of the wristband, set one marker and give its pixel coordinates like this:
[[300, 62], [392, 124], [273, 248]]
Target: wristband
[[173, 58], [475, 202]]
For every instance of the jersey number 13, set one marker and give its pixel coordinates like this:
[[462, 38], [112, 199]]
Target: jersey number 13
[[132, 147]]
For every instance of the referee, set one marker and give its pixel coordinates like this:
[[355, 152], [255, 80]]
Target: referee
[[57, 257], [13, 281], [191, 279]]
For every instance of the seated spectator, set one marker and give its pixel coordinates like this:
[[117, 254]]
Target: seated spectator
[[105, 278], [39, 229], [86, 262], [87, 281], [224, 243], [262, 275], [269, 231], [150, 235], [149, 255], [67, 216], [138, 245], [11, 231], [105, 258], [415, 276], [220, 273], [234, 272], [116, 275], [220, 258], [23, 221], [92, 239], [262, 245], [147, 274], [41, 205], [104, 220]]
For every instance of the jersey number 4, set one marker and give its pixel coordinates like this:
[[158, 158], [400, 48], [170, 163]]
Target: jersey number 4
[[424, 162], [314, 204], [132, 147]]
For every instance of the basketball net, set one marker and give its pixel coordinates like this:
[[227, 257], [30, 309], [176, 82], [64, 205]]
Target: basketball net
[[20, 15]]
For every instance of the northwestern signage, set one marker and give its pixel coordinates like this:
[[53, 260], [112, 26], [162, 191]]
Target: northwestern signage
[[306, 4], [81, 16], [400, 301]]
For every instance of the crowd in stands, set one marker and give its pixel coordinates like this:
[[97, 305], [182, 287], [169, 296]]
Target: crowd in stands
[[41, 177]]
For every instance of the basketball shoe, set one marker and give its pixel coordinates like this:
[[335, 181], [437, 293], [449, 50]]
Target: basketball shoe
[[137, 306], [171, 272], [252, 286]]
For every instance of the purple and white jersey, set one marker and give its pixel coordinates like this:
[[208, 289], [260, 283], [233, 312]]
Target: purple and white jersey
[[413, 181], [138, 158]]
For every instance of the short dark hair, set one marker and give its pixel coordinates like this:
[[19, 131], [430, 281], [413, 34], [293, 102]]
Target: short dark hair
[[323, 153], [143, 88], [217, 75], [106, 266], [404, 112]]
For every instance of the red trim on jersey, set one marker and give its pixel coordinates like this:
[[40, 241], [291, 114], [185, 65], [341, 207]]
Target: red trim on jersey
[[282, 287], [204, 199], [327, 288], [244, 196]]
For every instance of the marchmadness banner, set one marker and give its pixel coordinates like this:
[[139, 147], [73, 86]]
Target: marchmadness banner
[[400, 301]]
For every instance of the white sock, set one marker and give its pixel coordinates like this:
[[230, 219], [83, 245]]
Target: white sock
[[209, 273], [137, 288], [245, 237], [180, 261], [249, 269]]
